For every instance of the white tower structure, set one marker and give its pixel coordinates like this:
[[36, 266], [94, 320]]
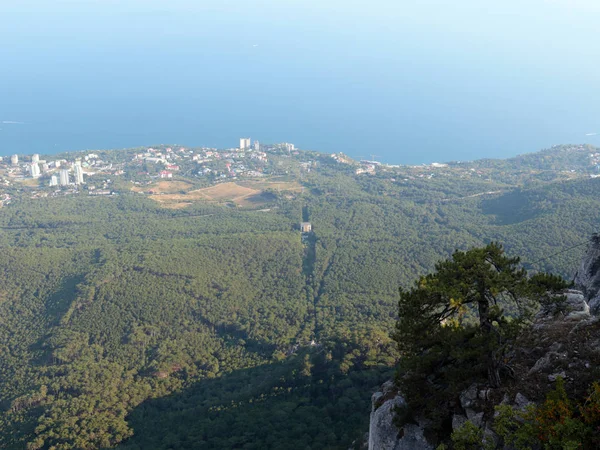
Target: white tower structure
[[53, 181], [64, 177], [35, 158], [257, 146], [78, 174], [244, 143], [34, 170], [14, 160]]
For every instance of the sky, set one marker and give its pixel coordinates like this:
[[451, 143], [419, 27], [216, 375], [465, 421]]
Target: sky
[[407, 80]]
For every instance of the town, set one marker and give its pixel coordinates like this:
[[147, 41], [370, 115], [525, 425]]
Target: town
[[95, 172], [138, 170]]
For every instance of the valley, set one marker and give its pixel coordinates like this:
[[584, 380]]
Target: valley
[[192, 312]]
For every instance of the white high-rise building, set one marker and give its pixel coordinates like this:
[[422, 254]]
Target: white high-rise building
[[64, 177], [78, 174], [35, 158], [34, 170], [244, 143], [14, 160], [257, 146], [53, 181]]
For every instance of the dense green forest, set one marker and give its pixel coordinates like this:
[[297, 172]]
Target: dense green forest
[[126, 324]]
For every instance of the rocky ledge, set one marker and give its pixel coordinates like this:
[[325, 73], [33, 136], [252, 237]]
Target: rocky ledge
[[564, 343]]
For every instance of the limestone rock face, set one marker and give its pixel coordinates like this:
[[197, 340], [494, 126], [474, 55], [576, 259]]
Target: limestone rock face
[[468, 397], [384, 435], [587, 277], [563, 342], [578, 308]]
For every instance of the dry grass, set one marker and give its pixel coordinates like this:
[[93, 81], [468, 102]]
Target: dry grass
[[226, 191], [274, 185], [220, 193], [249, 193], [31, 182], [164, 187]]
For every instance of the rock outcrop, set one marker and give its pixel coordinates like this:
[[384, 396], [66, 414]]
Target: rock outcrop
[[587, 277], [563, 342], [383, 433]]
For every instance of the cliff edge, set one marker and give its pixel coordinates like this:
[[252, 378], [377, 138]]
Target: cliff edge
[[587, 278], [561, 343]]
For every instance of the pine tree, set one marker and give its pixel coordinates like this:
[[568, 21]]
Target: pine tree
[[455, 324]]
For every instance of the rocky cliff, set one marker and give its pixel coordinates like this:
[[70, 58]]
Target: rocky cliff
[[383, 433], [564, 344], [587, 277]]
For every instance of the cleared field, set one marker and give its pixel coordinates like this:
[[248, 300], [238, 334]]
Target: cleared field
[[223, 192], [274, 185], [31, 182], [226, 191], [246, 193], [164, 187]]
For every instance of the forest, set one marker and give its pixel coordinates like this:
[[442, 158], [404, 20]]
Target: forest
[[127, 325]]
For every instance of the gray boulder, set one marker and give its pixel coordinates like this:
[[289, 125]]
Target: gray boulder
[[587, 277], [458, 420], [468, 397], [384, 435], [577, 307]]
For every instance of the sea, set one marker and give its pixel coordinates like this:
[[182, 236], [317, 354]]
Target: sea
[[399, 82]]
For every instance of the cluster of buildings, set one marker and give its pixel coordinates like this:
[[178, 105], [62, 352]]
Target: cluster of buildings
[[53, 173], [228, 163], [247, 144], [249, 160], [370, 166], [365, 166], [4, 199], [64, 179], [57, 170]]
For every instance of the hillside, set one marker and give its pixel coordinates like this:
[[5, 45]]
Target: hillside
[[191, 312]]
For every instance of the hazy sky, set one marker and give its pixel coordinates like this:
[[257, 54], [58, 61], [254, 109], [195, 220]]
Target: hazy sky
[[465, 74]]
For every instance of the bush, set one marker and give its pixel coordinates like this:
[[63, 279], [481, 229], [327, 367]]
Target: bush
[[555, 424]]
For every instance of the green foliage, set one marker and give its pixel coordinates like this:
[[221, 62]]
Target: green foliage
[[555, 424], [467, 437], [120, 317], [453, 329], [269, 407], [108, 303], [515, 427]]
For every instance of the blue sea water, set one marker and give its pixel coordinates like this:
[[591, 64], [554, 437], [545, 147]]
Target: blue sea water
[[408, 82]]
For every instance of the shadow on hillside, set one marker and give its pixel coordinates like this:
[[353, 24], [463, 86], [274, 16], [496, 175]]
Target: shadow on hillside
[[510, 208], [525, 204], [261, 198], [274, 406], [57, 304]]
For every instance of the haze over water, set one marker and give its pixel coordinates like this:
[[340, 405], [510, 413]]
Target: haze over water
[[408, 81]]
